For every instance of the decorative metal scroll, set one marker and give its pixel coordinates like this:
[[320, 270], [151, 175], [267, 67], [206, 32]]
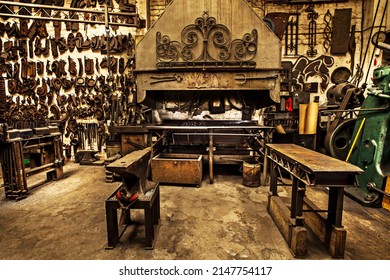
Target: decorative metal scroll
[[305, 68], [327, 31], [312, 16], [206, 44], [291, 36]]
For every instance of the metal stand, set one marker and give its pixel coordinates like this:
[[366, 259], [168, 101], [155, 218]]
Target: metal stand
[[150, 203]]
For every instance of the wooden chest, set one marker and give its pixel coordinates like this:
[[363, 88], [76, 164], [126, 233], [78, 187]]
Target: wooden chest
[[177, 169]]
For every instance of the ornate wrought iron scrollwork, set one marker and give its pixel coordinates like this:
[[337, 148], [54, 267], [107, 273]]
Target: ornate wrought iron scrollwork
[[206, 43], [312, 16], [327, 31], [291, 35], [166, 49]]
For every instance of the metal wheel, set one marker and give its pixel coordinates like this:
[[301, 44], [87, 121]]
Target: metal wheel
[[340, 139]]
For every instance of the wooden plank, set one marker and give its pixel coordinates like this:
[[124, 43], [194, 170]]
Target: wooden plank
[[280, 214], [295, 236], [333, 238], [313, 161]]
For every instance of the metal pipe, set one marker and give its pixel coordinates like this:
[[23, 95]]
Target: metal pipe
[[383, 46], [378, 94]]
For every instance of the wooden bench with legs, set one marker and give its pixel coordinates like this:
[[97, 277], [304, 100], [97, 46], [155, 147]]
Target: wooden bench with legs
[[309, 168]]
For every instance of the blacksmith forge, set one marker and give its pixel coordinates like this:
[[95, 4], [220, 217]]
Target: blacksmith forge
[[205, 75]]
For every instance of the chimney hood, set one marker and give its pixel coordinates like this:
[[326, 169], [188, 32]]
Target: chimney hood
[[209, 45]]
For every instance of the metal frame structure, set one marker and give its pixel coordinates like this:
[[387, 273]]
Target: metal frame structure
[[257, 132], [41, 12], [151, 206]]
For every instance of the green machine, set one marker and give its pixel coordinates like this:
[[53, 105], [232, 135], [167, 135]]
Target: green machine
[[370, 145]]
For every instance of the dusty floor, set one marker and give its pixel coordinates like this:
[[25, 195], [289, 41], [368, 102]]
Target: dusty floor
[[65, 219]]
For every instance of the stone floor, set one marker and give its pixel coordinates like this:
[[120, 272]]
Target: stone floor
[[65, 219]]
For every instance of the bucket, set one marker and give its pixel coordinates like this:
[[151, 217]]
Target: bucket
[[251, 174]]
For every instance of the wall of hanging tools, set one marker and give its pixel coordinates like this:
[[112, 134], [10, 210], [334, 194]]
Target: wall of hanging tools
[[311, 30], [61, 65], [318, 38]]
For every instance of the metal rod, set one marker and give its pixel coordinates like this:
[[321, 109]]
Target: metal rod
[[370, 186], [216, 134], [211, 156], [8, 3], [68, 20], [107, 26], [356, 137], [378, 94], [357, 110]]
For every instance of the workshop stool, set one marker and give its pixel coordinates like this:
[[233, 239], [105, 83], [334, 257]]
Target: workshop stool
[[149, 202]]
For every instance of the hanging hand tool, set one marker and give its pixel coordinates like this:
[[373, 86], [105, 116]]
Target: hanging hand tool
[[243, 78], [173, 78]]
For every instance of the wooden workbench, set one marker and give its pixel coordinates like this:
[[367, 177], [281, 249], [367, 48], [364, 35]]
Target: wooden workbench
[[309, 168]]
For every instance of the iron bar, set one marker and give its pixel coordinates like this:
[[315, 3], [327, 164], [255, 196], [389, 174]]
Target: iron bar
[[371, 186], [216, 134], [5, 4], [357, 110], [69, 20], [211, 156], [287, 167], [8, 3]]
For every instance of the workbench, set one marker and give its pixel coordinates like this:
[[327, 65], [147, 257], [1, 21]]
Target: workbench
[[309, 169], [24, 152], [216, 143]]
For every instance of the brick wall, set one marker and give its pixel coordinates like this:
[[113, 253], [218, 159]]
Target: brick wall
[[157, 7]]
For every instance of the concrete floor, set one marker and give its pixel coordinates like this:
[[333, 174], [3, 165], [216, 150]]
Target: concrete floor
[[65, 219]]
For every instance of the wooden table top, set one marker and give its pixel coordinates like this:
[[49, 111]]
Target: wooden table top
[[313, 161]]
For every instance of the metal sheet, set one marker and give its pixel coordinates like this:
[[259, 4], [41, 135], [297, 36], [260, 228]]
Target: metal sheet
[[340, 34]]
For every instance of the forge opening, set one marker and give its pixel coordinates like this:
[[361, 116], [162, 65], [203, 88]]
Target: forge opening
[[184, 105]]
